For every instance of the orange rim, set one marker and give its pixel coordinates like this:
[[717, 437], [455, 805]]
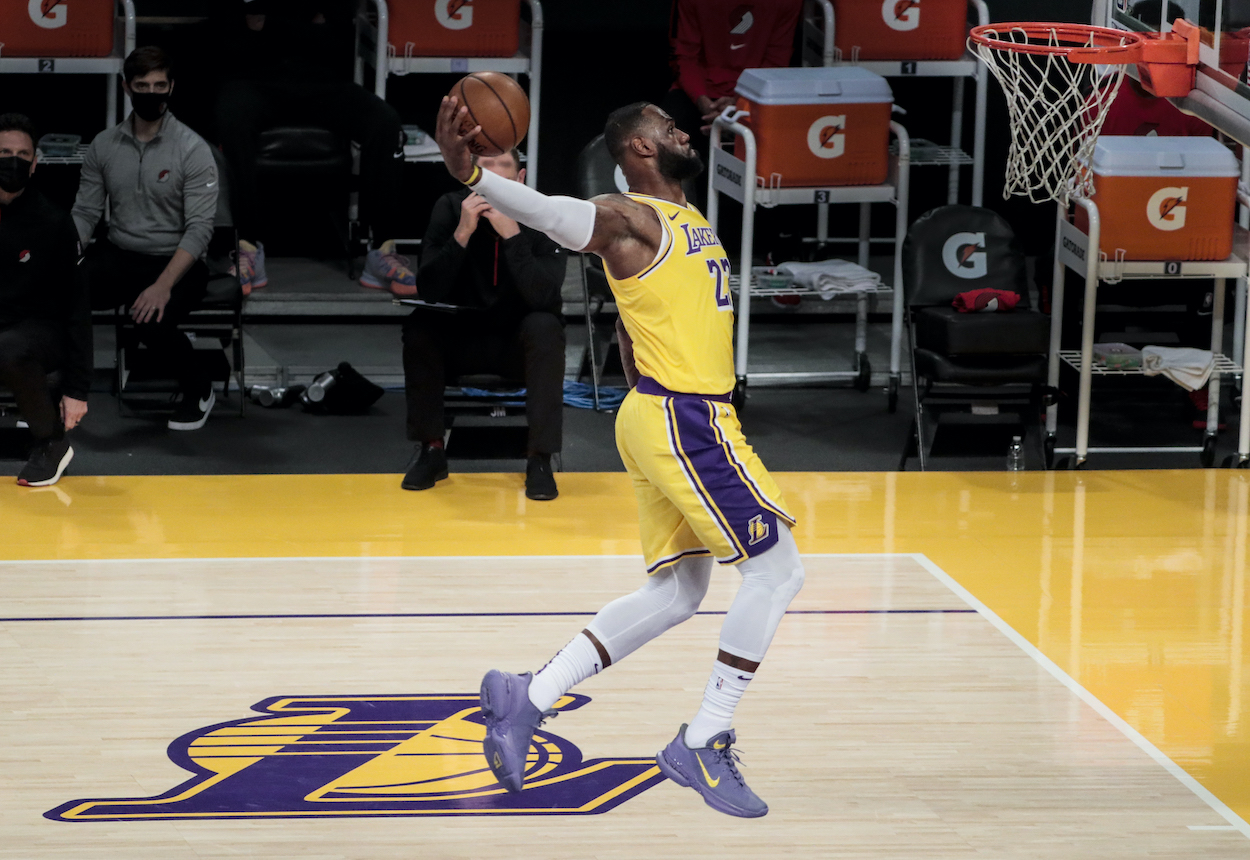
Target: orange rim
[[1081, 43]]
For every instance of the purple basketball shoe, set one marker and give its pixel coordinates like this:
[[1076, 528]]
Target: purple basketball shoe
[[713, 772]]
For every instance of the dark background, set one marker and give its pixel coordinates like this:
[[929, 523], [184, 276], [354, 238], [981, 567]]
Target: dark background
[[597, 56]]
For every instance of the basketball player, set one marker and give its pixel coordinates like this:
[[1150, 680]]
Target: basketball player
[[702, 492]]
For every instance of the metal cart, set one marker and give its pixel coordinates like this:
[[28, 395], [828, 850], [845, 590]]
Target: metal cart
[[737, 179], [1073, 250]]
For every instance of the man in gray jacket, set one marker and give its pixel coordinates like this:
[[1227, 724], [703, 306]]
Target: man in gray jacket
[[160, 181]]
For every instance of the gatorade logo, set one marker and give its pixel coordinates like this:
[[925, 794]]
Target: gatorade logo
[[901, 15], [826, 138], [454, 14], [1166, 209], [964, 255], [48, 14]]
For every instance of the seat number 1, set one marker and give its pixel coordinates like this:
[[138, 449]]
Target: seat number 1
[[719, 269]]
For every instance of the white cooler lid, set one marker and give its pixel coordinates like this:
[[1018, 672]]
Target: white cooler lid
[[813, 86], [1133, 155]]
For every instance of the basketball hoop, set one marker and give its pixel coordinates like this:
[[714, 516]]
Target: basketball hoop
[[1059, 80]]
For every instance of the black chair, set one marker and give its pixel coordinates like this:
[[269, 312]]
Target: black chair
[[219, 317], [960, 360], [315, 166], [596, 174]]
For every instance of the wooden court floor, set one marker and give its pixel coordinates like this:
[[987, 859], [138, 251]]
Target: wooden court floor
[[981, 665]]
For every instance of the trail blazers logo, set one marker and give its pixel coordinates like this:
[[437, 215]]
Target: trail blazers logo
[[344, 756]]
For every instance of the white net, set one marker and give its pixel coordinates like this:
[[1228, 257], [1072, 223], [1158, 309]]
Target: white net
[[1056, 108]]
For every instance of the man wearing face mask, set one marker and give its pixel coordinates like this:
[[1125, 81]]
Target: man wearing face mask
[[45, 317], [160, 181]]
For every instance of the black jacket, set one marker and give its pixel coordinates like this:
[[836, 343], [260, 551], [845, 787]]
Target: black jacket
[[40, 279], [290, 47], [508, 278]]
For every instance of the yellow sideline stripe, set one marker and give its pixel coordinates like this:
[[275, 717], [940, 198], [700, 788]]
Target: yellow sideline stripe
[[1134, 583]]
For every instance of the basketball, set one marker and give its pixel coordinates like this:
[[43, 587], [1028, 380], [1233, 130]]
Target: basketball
[[499, 105]]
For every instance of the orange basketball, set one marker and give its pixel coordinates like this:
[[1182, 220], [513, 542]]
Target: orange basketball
[[499, 105]]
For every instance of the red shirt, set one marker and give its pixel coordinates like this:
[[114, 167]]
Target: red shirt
[[1136, 112], [716, 39]]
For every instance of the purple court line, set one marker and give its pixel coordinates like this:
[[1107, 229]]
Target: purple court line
[[455, 615]]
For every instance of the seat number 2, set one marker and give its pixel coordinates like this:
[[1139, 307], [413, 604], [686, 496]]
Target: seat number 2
[[719, 269]]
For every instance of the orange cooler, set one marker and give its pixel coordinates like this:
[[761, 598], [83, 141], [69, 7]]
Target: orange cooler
[[900, 29], [455, 28], [818, 126], [1164, 198], [56, 28]]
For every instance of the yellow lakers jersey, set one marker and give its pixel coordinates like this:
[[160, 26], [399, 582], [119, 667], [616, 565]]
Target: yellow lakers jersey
[[678, 310]]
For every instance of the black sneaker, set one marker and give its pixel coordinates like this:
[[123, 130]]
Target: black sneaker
[[46, 463], [429, 467], [192, 411], [540, 483]]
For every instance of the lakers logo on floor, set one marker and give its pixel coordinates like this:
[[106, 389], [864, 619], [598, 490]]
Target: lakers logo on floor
[[332, 756]]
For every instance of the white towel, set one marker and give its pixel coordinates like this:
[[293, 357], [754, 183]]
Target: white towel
[[1188, 367], [832, 277]]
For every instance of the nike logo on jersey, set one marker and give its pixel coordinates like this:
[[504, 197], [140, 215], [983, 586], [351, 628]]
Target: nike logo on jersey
[[673, 217], [736, 47], [707, 777], [209, 184]]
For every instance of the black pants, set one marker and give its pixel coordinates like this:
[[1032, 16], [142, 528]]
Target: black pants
[[246, 108], [116, 277], [439, 348], [29, 351]]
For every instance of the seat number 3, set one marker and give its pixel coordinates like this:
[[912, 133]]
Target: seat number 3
[[719, 269]]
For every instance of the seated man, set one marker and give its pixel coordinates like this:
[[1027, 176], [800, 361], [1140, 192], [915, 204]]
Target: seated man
[[45, 318], [159, 180], [508, 279], [290, 61]]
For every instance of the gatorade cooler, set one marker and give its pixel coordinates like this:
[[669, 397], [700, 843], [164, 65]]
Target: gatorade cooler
[[56, 28], [900, 29], [818, 126], [1164, 198], [455, 28]]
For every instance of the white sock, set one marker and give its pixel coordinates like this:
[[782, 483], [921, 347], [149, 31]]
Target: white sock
[[721, 696], [576, 662]]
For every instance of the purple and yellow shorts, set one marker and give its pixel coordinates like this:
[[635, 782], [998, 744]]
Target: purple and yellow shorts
[[701, 489]]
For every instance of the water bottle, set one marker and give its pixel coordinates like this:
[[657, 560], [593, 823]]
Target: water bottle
[[1015, 455], [277, 397], [323, 383]]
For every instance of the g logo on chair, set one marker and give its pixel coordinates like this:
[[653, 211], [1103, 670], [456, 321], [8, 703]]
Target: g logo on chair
[[964, 255]]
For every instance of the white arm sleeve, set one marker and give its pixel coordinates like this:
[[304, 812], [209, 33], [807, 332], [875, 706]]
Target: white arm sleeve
[[568, 220]]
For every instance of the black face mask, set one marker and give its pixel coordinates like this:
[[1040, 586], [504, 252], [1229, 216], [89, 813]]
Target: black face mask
[[14, 173], [149, 106]]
